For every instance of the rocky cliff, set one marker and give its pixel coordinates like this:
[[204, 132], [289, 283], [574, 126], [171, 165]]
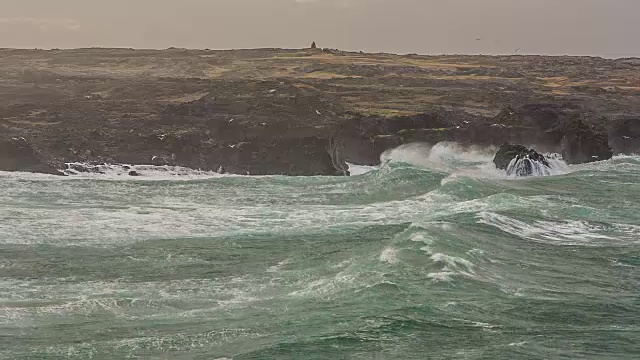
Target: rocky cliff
[[301, 112]]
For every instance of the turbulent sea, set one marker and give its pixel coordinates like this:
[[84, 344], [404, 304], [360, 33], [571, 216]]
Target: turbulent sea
[[434, 254]]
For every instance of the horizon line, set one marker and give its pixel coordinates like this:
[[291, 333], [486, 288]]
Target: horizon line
[[602, 56]]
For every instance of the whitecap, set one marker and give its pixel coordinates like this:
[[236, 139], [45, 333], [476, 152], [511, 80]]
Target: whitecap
[[389, 255], [565, 232], [356, 170], [278, 267], [444, 276]]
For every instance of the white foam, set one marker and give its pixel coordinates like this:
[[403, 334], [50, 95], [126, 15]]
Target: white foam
[[563, 232], [356, 170], [521, 343], [456, 160], [471, 162], [326, 286], [421, 238], [145, 172], [389, 255], [278, 267], [444, 276], [33, 300], [427, 249], [528, 167], [444, 156]]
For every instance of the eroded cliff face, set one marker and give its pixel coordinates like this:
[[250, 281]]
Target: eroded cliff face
[[16, 154], [299, 112], [563, 128], [624, 135]]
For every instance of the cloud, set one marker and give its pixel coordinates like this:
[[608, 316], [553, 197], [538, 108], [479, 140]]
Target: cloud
[[44, 24]]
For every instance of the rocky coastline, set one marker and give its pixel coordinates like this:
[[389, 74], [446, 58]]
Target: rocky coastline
[[302, 112]]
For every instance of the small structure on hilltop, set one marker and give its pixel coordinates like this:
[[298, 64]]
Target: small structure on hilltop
[[313, 45]]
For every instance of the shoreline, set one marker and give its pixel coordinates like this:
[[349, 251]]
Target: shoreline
[[300, 111]]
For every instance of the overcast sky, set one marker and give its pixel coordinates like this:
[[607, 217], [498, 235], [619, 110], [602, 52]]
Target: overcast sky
[[577, 27]]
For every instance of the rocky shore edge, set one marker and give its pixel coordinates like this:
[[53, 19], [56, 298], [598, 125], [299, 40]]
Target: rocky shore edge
[[578, 135]]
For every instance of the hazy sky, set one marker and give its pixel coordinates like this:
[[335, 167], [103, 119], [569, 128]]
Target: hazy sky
[[590, 27]]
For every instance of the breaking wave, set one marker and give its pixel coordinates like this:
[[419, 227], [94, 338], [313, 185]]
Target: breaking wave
[[531, 167], [471, 161]]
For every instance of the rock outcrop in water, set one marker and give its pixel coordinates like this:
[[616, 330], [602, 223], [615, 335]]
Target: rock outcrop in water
[[519, 160]]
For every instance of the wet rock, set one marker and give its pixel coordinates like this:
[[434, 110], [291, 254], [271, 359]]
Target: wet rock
[[159, 160], [133, 173], [85, 168], [79, 168], [520, 160]]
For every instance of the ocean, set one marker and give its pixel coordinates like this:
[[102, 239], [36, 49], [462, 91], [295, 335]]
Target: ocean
[[433, 254]]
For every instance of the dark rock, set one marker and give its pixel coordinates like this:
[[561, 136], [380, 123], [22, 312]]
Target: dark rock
[[17, 154], [536, 123], [133, 173], [584, 142], [624, 136], [313, 45], [542, 116], [81, 168], [305, 156], [364, 138], [160, 160], [192, 119], [508, 152], [85, 168]]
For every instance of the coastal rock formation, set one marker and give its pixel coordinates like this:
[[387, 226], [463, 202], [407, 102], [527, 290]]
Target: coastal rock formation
[[273, 154], [84, 168], [584, 142], [299, 111], [519, 160], [624, 136], [16, 154], [364, 138], [285, 156]]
